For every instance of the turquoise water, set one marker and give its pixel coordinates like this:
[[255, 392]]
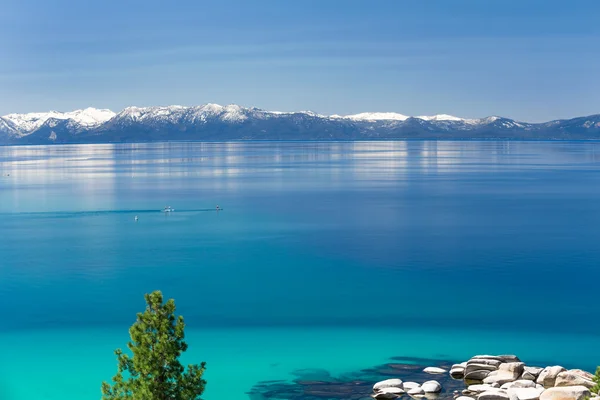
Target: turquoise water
[[326, 255]]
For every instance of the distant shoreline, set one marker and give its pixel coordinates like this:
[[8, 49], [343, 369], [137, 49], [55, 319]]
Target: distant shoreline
[[313, 141]]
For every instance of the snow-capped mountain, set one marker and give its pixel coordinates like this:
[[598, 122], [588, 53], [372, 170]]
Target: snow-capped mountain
[[23, 124], [233, 122], [374, 116], [179, 114]]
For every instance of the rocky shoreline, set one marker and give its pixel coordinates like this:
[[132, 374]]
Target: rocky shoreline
[[502, 377], [506, 378]]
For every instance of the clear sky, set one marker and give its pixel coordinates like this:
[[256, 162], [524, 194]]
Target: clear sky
[[525, 59]]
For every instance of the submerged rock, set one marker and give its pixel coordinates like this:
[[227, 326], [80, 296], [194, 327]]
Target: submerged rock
[[434, 370], [386, 382]]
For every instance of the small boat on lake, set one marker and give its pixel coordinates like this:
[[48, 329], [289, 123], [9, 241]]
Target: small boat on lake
[[168, 209]]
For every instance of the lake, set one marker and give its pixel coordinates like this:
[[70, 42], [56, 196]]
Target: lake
[[329, 255]]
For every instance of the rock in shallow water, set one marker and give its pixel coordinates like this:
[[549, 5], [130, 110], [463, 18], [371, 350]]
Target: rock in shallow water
[[388, 383], [434, 370], [417, 391], [358, 385], [457, 371], [431, 387], [389, 393], [410, 385]]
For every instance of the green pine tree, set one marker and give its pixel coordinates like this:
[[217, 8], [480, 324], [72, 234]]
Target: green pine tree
[[596, 389], [154, 372]]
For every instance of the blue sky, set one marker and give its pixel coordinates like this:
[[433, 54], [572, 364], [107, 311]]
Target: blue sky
[[530, 60]]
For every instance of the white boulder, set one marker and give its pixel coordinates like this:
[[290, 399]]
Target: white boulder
[[410, 385], [575, 377], [431, 387], [388, 383], [566, 393], [502, 358], [548, 376], [485, 361], [457, 371], [479, 388], [477, 375], [521, 383], [417, 391], [507, 372], [524, 393], [475, 366], [493, 394]]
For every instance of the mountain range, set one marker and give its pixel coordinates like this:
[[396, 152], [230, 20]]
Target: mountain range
[[212, 122]]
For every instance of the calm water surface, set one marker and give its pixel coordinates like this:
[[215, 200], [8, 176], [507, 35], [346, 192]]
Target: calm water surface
[[325, 255]]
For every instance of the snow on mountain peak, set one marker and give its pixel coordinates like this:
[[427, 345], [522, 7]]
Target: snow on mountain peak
[[391, 116], [195, 114], [374, 116], [234, 113], [27, 123], [24, 124], [212, 107], [89, 116], [440, 117], [489, 120]]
